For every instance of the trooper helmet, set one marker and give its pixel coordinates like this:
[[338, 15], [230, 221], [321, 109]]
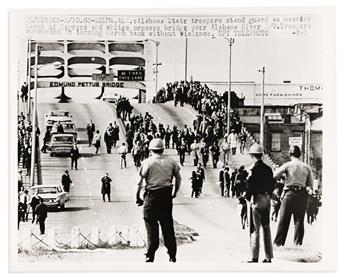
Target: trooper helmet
[[295, 151], [255, 149], [156, 144]]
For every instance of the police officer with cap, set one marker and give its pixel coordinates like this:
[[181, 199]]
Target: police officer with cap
[[298, 179], [158, 172], [260, 185]]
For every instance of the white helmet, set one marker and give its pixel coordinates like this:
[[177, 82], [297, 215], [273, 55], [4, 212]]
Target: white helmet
[[156, 144], [255, 149]]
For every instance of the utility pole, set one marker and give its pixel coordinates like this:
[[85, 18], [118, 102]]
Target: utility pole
[[231, 42], [156, 66], [34, 121], [186, 61], [28, 78], [262, 112]]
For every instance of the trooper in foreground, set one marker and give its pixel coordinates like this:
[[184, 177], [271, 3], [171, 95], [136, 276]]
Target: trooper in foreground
[[158, 172], [298, 180], [260, 185]]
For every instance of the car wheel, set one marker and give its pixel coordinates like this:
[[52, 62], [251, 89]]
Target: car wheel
[[52, 154]]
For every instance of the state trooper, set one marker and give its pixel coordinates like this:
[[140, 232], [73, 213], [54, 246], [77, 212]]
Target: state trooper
[[158, 172], [260, 185], [298, 180]]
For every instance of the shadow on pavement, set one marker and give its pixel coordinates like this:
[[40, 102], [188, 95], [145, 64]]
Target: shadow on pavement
[[69, 209]]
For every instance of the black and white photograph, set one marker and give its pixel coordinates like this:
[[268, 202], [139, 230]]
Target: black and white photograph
[[172, 140]]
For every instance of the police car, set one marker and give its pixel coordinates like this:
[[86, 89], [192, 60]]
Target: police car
[[53, 195], [61, 144], [57, 115]]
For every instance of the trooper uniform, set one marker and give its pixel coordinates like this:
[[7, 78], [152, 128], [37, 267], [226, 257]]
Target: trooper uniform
[[260, 185], [158, 172], [298, 177]]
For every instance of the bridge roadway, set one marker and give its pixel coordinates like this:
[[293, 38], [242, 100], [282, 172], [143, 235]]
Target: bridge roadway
[[215, 218]]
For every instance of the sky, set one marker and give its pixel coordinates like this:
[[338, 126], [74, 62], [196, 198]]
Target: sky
[[297, 60]]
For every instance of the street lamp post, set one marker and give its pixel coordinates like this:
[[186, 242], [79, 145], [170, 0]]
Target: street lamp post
[[156, 66], [231, 42], [28, 78], [34, 121], [186, 61], [262, 113]]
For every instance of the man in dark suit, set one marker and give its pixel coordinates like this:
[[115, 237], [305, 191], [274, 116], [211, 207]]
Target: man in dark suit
[[227, 181], [35, 200], [90, 130], [221, 181], [66, 181], [74, 156], [41, 212], [106, 185]]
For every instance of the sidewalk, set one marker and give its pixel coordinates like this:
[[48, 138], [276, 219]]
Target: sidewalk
[[22, 107]]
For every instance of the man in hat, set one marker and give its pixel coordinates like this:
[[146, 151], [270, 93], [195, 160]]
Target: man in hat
[[298, 180], [74, 156], [260, 186], [66, 181], [106, 186], [158, 171], [90, 130], [41, 211]]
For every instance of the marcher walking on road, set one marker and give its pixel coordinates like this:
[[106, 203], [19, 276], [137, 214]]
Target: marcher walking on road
[[106, 187], [260, 186], [275, 203], [66, 181], [195, 185], [243, 211], [108, 139], [97, 138], [227, 181], [74, 157], [215, 152], [221, 180], [25, 200], [90, 130], [35, 200], [201, 172], [46, 139], [158, 171], [182, 149], [225, 148], [116, 131], [123, 152], [298, 180], [24, 92], [42, 214], [195, 152]]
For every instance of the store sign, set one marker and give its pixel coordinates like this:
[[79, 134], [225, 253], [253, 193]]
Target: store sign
[[295, 141]]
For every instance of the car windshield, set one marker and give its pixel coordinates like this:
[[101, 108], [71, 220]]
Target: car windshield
[[45, 190], [59, 113], [63, 139], [68, 126]]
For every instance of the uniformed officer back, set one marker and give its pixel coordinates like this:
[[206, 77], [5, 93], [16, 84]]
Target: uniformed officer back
[[158, 171]]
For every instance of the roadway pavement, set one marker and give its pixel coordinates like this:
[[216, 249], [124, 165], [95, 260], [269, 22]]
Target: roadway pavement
[[215, 218]]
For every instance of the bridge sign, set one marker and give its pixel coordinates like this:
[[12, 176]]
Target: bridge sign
[[131, 75]]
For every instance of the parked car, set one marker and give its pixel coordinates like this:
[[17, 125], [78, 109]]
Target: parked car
[[68, 128], [53, 195], [110, 97], [57, 115], [61, 144]]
